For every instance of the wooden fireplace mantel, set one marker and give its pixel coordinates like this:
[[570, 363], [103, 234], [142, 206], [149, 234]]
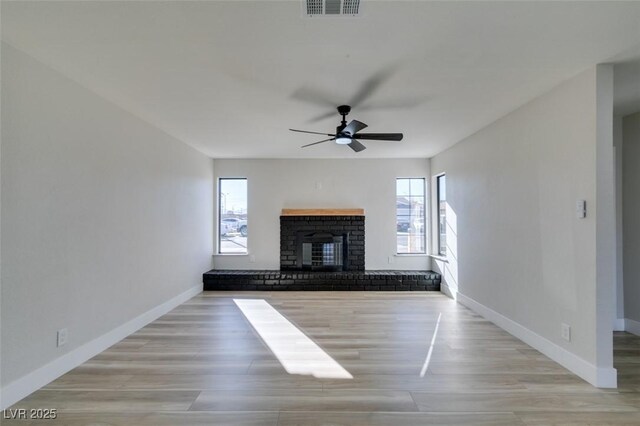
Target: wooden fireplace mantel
[[322, 212]]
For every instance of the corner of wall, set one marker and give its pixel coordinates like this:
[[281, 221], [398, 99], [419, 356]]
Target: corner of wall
[[605, 217], [631, 223], [1, 397], [632, 326], [448, 291]]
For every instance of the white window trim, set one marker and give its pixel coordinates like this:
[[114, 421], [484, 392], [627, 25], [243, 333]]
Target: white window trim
[[218, 206], [434, 251], [426, 197]]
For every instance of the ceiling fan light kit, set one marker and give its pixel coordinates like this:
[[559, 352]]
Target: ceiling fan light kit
[[348, 134]]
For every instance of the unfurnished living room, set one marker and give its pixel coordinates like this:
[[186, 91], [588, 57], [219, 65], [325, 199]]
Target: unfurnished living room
[[320, 212]]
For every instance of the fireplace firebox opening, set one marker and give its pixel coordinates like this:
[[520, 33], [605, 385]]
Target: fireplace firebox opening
[[322, 251]]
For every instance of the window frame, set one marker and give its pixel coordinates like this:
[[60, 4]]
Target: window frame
[[438, 215], [219, 217], [424, 196]]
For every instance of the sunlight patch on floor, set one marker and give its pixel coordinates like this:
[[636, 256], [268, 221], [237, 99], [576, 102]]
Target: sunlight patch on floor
[[433, 342], [297, 353]]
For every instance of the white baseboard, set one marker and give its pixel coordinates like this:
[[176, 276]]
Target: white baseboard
[[599, 377], [632, 326], [22, 387], [618, 324]]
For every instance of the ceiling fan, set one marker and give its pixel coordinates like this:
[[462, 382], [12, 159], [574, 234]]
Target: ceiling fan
[[347, 134]]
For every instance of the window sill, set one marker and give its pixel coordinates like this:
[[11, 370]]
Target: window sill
[[411, 255], [439, 257], [230, 254]]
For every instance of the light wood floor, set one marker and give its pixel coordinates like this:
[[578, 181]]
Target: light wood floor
[[203, 364]]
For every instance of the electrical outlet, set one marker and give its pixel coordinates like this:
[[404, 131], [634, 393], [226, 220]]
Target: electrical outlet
[[566, 332], [252, 258], [390, 259], [63, 336]]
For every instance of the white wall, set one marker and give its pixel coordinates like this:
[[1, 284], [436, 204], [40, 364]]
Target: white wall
[[104, 217], [631, 219], [365, 183], [518, 253]]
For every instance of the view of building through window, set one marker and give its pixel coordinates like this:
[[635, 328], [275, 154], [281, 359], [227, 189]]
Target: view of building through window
[[442, 215], [410, 216], [232, 226]]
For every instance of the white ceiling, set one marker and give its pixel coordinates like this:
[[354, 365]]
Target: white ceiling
[[230, 78]]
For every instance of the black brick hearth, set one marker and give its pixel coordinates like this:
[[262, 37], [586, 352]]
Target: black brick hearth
[[322, 281]]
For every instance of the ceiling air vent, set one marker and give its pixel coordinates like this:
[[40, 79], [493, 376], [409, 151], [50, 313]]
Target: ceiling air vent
[[331, 7]]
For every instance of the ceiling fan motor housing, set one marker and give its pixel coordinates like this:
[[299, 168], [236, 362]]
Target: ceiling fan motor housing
[[344, 110]]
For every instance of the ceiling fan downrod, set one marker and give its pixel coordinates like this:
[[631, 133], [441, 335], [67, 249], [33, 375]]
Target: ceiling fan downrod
[[343, 110]]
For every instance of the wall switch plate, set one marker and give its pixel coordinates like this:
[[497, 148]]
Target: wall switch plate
[[390, 259], [63, 336], [318, 185], [581, 209], [566, 332]]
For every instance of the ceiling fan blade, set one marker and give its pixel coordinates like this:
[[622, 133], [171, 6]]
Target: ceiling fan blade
[[380, 136], [354, 127], [371, 85], [321, 117], [316, 143], [313, 133], [314, 96], [399, 103], [356, 146]]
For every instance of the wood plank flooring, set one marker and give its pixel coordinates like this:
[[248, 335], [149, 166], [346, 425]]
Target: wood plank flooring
[[203, 364]]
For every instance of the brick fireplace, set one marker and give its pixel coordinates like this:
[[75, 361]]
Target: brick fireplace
[[322, 240]]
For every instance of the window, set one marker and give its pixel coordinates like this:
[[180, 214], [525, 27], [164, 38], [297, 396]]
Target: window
[[410, 216], [442, 215], [232, 214]]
